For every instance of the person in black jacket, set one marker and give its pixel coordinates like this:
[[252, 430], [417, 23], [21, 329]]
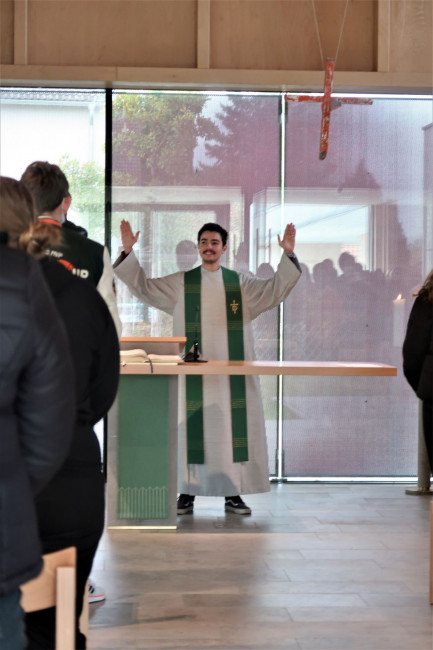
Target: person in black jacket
[[70, 509], [418, 357], [36, 424], [84, 257]]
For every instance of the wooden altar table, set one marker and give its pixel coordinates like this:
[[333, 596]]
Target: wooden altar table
[[142, 426]]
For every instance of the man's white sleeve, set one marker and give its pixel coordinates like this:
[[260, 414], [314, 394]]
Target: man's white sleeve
[[106, 289], [262, 295], [162, 293]]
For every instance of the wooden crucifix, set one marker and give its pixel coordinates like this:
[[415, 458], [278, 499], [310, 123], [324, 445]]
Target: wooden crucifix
[[328, 104]]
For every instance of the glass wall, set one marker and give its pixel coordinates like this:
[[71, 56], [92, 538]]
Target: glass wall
[[67, 128], [181, 159], [184, 159], [64, 127], [361, 216], [250, 161]]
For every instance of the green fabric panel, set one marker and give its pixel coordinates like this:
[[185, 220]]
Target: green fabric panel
[[194, 419], [143, 447], [236, 353], [194, 383], [192, 282]]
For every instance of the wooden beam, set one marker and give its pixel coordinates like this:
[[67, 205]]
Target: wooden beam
[[21, 32], [383, 35], [203, 34], [192, 78]]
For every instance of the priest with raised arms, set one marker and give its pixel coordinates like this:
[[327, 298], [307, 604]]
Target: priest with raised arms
[[222, 438]]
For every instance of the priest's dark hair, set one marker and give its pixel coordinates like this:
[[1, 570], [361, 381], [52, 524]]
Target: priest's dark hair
[[214, 227]]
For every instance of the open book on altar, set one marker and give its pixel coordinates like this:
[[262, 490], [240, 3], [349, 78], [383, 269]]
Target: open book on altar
[[141, 356]]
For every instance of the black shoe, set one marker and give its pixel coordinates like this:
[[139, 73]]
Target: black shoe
[[185, 504], [235, 504]]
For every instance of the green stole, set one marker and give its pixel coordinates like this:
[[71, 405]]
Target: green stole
[[194, 383]]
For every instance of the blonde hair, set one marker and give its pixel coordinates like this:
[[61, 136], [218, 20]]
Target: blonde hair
[[426, 291], [39, 238], [17, 209]]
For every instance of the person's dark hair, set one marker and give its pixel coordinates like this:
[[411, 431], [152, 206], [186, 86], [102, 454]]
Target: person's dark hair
[[186, 247], [214, 227], [265, 271], [306, 276], [47, 183], [17, 209], [426, 291], [346, 260], [186, 254]]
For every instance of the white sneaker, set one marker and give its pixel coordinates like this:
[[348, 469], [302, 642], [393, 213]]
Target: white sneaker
[[96, 593]]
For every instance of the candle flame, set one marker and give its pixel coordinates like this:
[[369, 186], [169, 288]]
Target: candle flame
[[398, 297]]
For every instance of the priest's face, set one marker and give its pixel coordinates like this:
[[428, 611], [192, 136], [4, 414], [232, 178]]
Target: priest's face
[[210, 248]]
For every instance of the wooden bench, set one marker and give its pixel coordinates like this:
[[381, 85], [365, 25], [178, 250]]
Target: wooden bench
[[55, 587]]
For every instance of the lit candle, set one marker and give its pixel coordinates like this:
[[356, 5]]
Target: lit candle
[[399, 328]]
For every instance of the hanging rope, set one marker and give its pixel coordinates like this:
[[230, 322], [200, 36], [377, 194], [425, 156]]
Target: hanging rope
[[318, 33], [319, 40], [341, 31]]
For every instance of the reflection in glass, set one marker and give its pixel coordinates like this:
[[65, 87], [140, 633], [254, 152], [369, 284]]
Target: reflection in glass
[[361, 235], [181, 160], [363, 238]]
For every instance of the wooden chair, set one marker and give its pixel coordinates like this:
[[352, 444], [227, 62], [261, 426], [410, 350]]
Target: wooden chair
[[55, 587], [84, 618], [431, 552]]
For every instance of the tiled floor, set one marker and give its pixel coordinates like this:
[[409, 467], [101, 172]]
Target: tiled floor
[[315, 567]]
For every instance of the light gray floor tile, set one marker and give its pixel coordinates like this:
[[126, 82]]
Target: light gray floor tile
[[316, 567]]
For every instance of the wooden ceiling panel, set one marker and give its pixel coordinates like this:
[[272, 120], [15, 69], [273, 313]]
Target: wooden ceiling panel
[[411, 27], [290, 35], [146, 33], [6, 31]]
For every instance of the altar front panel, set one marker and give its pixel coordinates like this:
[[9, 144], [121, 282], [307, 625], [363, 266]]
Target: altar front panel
[[142, 450]]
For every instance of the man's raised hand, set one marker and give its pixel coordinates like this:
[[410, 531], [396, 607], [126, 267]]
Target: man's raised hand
[[288, 240], [128, 237]]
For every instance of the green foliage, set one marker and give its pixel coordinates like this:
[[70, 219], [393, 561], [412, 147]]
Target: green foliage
[[246, 142], [155, 137], [87, 188], [86, 184], [122, 179]]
